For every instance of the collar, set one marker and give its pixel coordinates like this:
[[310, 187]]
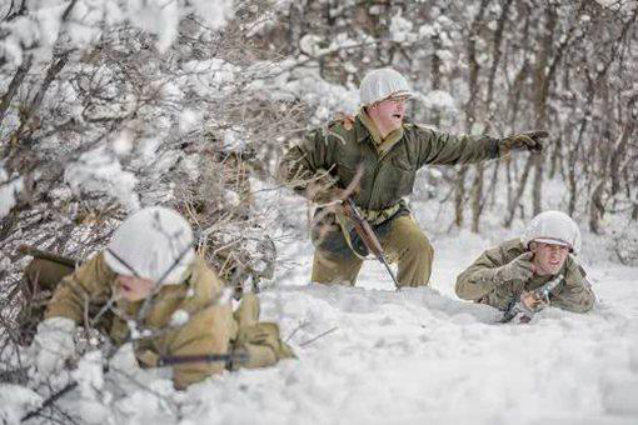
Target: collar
[[365, 127]]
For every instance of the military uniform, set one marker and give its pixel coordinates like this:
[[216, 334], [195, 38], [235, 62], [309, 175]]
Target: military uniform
[[476, 283], [212, 328], [332, 157]]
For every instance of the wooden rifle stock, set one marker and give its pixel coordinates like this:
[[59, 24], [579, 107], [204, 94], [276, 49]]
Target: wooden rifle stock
[[367, 235]]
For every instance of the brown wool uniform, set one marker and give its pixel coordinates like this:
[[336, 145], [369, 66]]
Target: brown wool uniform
[[212, 327], [331, 157], [476, 282]]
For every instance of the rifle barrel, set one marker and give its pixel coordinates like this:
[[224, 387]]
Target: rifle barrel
[[201, 358]]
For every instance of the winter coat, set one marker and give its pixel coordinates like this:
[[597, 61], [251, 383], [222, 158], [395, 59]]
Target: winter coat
[[209, 329], [574, 293], [389, 166]]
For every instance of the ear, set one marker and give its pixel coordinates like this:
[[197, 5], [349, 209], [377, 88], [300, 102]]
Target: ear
[[533, 246]]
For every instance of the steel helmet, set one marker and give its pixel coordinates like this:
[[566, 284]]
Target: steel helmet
[[155, 243], [553, 227], [381, 84]]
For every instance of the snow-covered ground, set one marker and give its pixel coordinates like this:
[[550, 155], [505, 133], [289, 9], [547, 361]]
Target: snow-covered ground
[[423, 356], [414, 356]]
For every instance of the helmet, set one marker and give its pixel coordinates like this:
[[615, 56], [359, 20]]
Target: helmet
[[380, 84], [553, 227], [155, 243]]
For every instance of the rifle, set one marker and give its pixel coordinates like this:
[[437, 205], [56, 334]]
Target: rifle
[[240, 357], [367, 235], [37, 253], [516, 307]]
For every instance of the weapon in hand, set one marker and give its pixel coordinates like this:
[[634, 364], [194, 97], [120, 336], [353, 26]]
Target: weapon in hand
[[240, 357], [367, 235], [519, 307]]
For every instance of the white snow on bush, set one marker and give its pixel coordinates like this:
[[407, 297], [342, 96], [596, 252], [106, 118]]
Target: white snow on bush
[[40, 29], [401, 30], [440, 100], [9, 188], [190, 120], [100, 171], [15, 402]]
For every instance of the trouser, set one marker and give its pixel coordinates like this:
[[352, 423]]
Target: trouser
[[403, 242]]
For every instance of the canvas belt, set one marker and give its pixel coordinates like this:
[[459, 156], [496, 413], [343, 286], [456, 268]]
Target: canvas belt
[[373, 217], [376, 217]]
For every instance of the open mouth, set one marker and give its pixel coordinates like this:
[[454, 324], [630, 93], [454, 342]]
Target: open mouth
[[397, 116]]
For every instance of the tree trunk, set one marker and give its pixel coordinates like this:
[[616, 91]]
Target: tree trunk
[[470, 109]]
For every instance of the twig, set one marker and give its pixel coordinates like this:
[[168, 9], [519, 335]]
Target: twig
[[302, 325], [49, 401], [311, 340]]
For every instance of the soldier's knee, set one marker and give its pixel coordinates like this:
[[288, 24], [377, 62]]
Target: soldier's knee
[[418, 245]]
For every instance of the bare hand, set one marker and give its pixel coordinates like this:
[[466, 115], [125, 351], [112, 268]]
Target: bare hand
[[532, 301]]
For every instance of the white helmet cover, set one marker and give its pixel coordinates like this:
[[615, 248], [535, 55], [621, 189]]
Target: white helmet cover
[[381, 84], [155, 243], [553, 227]]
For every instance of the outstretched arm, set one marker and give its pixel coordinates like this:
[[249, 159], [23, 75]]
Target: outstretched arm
[[438, 148]]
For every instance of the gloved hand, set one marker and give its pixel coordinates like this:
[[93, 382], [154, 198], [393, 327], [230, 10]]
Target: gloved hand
[[532, 141], [323, 189], [53, 345], [520, 269]]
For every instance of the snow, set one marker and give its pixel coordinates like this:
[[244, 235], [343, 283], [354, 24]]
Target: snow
[[401, 30], [8, 191], [41, 29], [189, 120], [439, 99], [13, 400], [415, 356], [179, 318], [100, 171]]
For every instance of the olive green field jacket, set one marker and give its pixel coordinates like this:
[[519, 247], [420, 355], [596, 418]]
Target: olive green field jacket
[[574, 293]]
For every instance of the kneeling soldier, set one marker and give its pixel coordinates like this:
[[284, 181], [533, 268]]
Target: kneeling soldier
[[150, 288], [376, 156], [515, 270]]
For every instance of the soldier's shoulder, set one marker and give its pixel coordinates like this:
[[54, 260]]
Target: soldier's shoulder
[[205, 283], [573, 267], [515, 244], [340, 129], [409, 125], [96, 269], [342, 124], [419, 131], [508, 250]]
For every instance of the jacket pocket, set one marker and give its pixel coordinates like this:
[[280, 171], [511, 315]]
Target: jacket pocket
[[404, 174]]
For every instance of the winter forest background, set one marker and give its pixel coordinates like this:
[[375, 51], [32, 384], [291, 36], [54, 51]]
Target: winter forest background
[[110, 105]]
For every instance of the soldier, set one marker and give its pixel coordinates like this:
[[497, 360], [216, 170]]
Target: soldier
[[374, 158], [512, 270], [150, 288]]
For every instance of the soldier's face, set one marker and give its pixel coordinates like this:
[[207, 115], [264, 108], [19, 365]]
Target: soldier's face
[[548, 258], [388, 114], [133, 288]]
